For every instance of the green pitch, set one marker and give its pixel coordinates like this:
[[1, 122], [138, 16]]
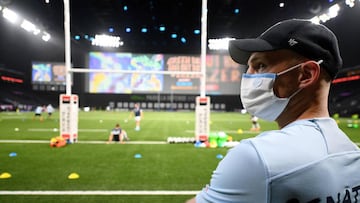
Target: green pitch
[[113, 167]]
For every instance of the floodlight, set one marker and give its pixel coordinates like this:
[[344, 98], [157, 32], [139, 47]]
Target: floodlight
[[28, 26], [36, 31], [333, 10], [197, 31], [10, 15], [324, 17], [173, 35], [219, 44], [144, 30], [350, 3], [315, 20], [46, 36], [107, 41]]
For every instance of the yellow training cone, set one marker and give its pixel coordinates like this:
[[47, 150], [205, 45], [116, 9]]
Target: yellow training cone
[[240, 131], [5, 175], [73, 176]]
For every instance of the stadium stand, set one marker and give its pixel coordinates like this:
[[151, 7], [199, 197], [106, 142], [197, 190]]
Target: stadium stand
[[345, 93]]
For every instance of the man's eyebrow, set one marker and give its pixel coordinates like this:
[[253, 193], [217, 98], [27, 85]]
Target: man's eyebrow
[[254, 59]]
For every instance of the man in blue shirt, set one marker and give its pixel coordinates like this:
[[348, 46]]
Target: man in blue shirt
[[138, 115], [38, 113], [290, 69], [117, 135], [49, 110]]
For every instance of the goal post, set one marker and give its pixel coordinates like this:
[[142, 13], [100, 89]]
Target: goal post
[[202, 110], [69, 107], [69, 103], [202, 121]]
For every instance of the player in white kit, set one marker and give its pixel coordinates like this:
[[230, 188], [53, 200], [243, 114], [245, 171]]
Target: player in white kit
[[309, 159]]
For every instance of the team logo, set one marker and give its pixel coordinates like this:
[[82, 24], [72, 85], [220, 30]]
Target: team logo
[[292, 42]]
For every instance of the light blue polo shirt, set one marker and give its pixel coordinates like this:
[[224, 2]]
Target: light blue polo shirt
[[258, 168]]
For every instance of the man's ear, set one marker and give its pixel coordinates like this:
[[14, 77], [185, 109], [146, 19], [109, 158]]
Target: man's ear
[[310, 73]]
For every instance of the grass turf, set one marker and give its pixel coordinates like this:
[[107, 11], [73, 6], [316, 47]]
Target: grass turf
[[113, 166]]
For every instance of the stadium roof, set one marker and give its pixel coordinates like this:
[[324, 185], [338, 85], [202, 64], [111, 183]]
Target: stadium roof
[[148, 26]]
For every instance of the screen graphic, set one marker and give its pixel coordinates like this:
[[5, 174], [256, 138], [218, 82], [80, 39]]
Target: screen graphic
[[222, 74], [115, 82], [48, 73]]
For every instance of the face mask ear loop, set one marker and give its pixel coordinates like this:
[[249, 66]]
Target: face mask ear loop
[[296, 66], [297, 91], [289, 69]]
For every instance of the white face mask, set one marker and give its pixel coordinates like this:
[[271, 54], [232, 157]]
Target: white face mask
[[257, 94]]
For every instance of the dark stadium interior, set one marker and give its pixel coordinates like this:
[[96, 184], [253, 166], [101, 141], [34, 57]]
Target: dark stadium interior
[[19, 49]]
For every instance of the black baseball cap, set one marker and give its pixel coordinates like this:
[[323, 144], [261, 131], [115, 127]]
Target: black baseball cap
[[313, 41]]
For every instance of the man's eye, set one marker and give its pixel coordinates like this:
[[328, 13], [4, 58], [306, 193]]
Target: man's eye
[[259, 66]]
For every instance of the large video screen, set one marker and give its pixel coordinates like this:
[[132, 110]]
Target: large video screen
[[48, 73], [124, 82], [222, 74]]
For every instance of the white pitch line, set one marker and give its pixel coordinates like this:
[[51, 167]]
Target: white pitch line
[[99, 192], [244, 131], [93, 130], [82, 142], [230, 131], [12, 117], [94, 142], [24, 141], [126, 142], [52, 129], [40, 129]]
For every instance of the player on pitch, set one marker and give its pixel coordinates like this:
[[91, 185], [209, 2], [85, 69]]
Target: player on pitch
[[138, 114], [117, 134]]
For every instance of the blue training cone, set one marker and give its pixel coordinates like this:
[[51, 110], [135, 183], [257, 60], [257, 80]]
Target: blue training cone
[[12, 154], [137, 156]]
